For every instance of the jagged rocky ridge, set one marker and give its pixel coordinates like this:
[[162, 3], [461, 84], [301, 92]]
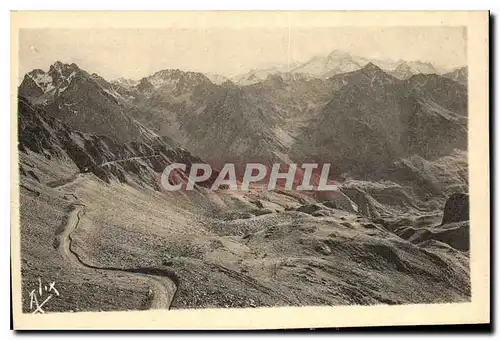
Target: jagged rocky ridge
[[374, 119], [381, 238], [259, 121], [460, 75], [338, 62], [101, 155], [285, 118]]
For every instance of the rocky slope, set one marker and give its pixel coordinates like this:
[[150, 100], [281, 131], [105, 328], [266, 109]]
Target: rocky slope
[[82, 101], [107, 159], [397, 222], [263, 120], [460, 75], [406, 69], [375, 118]]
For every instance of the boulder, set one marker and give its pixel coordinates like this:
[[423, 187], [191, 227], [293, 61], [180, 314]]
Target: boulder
[[456, 208], [309, 208]]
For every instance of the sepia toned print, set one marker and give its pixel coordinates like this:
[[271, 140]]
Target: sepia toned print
[[183, 168]]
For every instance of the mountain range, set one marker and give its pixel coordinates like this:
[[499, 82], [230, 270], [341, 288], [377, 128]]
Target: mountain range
[[285, 117], [95, 218], [374, 118], [337, 62]]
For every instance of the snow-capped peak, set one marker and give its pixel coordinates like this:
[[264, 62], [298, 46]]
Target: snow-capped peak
[[56, 80], [42, 80], [172, 77], [126, 82]]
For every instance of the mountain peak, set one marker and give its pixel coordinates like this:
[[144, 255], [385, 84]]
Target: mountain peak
[[61, 67], [172, 80], [125, 82], [58, 64], [228, 83], [403, 66], [338, 54], [38, 82], [175, 75], [370, 74], [459, 75], [371, 68]]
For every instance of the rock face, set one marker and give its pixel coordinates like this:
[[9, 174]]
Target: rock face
[[285, 117], [460, 75], [83, 102], [443, 177], [407, 69], [456, 208], [375, 240], [104, 157], [374, 118], [456, 235]]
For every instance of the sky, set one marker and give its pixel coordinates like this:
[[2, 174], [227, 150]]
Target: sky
[[136, 53]]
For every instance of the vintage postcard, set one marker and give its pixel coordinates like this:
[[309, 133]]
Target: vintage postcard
[[249, 170]]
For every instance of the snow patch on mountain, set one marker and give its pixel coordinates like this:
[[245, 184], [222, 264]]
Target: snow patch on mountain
[[42, 80], [125, 82]]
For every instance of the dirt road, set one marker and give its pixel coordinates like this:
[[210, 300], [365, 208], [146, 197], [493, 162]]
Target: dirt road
[[163, 283], [128, 159]]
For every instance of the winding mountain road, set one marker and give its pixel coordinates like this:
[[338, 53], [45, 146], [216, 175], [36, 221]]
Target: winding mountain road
[[128, 159], [164, 282]]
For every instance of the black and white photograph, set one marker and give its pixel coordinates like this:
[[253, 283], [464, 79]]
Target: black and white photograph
[[193, 167]]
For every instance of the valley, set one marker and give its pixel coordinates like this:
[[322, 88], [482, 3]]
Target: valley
[[96, 218]]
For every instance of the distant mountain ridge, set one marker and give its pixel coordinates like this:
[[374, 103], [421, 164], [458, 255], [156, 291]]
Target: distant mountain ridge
[[338, 62], [460, 75], [374, 118], [286, 116]]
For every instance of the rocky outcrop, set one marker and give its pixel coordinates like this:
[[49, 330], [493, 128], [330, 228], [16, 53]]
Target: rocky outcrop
[[460, 75], [373, 119], [454, 234], [453, 231], [456, 208], [106, 158]]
